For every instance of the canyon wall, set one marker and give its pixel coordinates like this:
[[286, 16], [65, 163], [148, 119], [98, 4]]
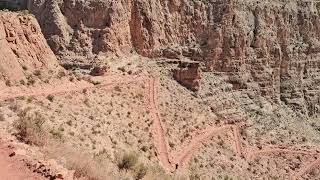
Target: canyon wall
[[268, 47], [23, 48]]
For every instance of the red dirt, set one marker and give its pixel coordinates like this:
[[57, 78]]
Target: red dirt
[[237, 140], [180, 158], [187, 152], [12, 168], [306, 169], [273, 151], [158, 131]]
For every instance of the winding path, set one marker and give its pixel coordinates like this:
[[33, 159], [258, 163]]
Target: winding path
[[170, 161], [158, 129]]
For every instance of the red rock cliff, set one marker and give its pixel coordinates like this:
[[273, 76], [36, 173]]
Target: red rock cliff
[[23, 47], [269, 47]]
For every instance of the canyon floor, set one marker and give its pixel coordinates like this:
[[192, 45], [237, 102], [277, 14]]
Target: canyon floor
[[137, 122]]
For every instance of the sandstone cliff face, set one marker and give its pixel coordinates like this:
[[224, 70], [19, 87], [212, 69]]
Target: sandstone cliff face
[[268, 47], [23, 48]]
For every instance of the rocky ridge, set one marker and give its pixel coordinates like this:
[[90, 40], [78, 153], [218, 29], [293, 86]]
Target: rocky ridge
[[23, 49], [269, 47]]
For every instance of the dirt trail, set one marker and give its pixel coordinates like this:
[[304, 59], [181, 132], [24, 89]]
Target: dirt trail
[[188, 150], [180, 158], [12, 168], [273, 151], [158, 131], [237, 140], [62, 88], [306, 169]]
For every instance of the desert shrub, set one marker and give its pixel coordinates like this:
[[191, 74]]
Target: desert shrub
[[84, 165], [226, 177], [87, 102], [117, 88], [128, 161], [14, 107], [22, 82], [140, 171], [2, 118], [56, 134], [31, 80], [50, 97], [30, 127], [154, 172], [37, 73], [24, 68], [8, 83], [61, 74]]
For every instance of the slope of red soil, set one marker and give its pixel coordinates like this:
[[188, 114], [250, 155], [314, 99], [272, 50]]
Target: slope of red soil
[[178, 160], [12, 168]]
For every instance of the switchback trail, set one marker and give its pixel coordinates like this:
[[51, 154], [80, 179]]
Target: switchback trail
[[180, 158], [187, 152], [158, 131]]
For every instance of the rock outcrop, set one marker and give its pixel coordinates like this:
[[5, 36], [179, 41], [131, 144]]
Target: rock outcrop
[[188, 75], [99, 71], [23, 48], [269, 47]]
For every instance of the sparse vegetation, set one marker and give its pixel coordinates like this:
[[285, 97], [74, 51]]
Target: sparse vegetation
[[83, 164], [37, 73], [61, 74], [2, 118], [22, 82], [128, 161], [50, 97], [30, 127], [8, 83], [57, 134], [140, 171], [31, 80]]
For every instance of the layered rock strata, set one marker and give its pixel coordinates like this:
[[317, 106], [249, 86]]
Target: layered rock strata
[[268, 47]]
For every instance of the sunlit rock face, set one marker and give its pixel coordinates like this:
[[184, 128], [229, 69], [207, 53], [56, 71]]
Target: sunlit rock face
[[23, 48], [268, 47]]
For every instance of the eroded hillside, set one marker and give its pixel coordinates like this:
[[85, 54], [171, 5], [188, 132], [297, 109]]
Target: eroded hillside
[[120, 109], [24, 51], [270, 47]]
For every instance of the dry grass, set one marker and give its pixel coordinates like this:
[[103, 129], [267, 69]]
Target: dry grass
[[140, 171], [128, 161], [84, 165], [30, 127]]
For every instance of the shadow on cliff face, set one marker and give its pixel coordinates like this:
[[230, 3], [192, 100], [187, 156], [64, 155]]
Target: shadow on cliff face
[[270, 46], [17, 5]]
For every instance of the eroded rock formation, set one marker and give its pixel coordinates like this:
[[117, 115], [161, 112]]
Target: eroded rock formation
[[269, 47], [99, 71], [189, 75], [23, 48]]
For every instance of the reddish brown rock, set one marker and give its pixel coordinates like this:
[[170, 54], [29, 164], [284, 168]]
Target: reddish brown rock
[[99, 71], [189, 75], [271, 48], [23, 49]]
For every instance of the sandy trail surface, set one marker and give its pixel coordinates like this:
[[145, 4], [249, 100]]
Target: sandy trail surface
[[12, 168]]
